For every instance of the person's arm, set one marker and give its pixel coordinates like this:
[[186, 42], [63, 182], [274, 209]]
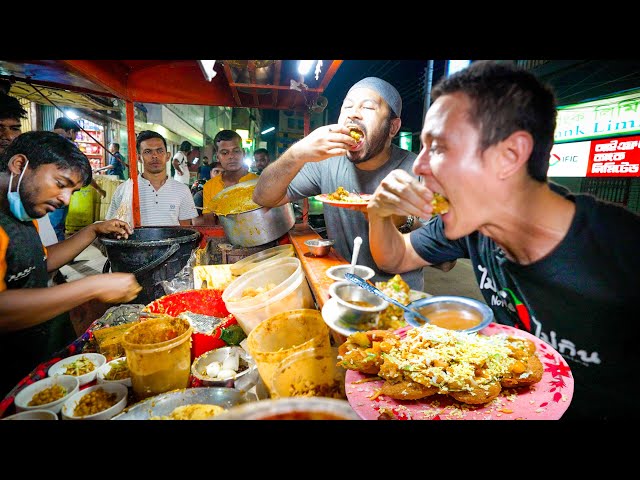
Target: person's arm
[[22, 308], [176, 165], [324, 142], [61, 253], [399, 194]]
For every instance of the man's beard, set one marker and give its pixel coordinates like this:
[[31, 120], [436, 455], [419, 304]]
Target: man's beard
[[28, 202], [377, 145]]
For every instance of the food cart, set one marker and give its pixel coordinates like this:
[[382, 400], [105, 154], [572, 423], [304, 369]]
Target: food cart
[[184, 82]]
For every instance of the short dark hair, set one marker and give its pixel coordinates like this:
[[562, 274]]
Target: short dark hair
[[506, 98], [66, 124], [10, 107], [225, 136], [42, 147], [146, 135], [117, 145], [186, 146], [260, 150]]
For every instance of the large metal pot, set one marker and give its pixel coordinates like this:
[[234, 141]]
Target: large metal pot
[[258, 226]]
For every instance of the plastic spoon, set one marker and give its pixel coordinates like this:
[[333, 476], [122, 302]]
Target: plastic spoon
[[361, 282], [356, 250]]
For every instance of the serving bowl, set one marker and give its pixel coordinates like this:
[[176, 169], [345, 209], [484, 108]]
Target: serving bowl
[[60, 368], [337, 272], [230, 367], [68, 407], [68, 382], [121, 369], [319, 247], [33, 415], [292, 408], [355, 305], [453, 312]]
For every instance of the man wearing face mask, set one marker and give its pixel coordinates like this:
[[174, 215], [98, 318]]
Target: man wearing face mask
[[329, 157], [39, 171]]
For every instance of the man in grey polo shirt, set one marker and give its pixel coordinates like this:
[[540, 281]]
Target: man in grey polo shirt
[[329, 158], [163, 200]]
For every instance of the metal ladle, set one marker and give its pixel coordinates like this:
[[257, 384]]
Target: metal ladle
[[361, 282]]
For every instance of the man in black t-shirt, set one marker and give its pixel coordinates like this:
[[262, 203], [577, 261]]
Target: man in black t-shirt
[[563, 267], [39, 171]]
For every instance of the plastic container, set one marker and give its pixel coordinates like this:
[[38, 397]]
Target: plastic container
[[289, 291], [309, 373], [247, 263], [285, 334], [159, 355], [81, 211]]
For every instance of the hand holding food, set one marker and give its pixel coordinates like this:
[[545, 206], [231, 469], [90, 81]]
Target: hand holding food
[[117, 287], [401, 194], [324, 142]]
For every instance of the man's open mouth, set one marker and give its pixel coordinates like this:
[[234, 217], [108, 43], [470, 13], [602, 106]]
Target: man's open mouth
[[440, 204]]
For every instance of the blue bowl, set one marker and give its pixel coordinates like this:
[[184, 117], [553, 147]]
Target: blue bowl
[[453, 312]]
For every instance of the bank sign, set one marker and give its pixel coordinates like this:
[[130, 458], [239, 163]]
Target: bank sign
[[596, 139], [607, 157], [607, 117]]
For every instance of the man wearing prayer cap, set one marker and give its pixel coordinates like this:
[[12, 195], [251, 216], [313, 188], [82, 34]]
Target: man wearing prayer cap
[[330, 157]]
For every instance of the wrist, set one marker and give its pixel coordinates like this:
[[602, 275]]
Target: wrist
[[407, 226]]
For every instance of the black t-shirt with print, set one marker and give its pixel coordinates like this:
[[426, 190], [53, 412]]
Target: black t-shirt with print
[[580, 299], [23, 350]]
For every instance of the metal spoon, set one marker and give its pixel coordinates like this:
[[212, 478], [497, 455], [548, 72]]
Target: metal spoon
[[356, 250], [361, 282]]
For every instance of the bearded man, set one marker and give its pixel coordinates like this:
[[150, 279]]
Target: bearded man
[[330, 157]]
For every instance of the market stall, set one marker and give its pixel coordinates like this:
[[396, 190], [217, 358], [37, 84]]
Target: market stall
[[272, 310]]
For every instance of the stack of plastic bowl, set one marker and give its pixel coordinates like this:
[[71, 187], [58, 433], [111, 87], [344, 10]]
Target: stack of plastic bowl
[[278, 286], [257, 259]]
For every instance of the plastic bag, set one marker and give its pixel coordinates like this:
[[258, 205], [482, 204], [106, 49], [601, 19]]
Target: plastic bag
[[183, 280], [125, 209]]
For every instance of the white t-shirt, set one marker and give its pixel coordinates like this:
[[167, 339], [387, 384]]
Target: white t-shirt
[[184, 166], [159, 208]]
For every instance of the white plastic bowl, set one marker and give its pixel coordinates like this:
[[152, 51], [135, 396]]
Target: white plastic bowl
[[106, 368], [121, 401], [33, 415], [60, 367], [249, 263], [24, 396]]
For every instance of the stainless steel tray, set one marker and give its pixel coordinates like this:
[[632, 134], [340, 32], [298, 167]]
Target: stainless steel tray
[[165, 403]]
